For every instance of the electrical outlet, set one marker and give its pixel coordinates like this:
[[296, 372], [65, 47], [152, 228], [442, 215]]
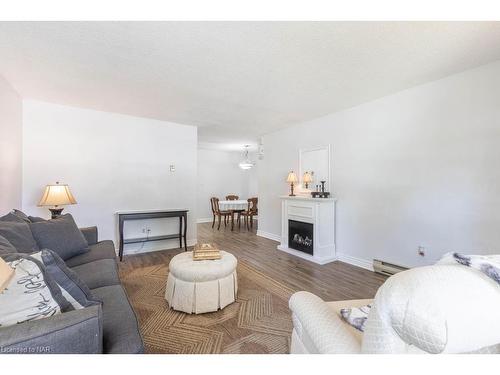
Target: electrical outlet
[[421, 251], [143, 230], [148, 230], [172, 168]]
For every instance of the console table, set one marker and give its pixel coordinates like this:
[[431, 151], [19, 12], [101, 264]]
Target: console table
[[152, 214]]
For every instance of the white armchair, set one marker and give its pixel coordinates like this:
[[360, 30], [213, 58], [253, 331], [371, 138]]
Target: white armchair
[[434, 309]]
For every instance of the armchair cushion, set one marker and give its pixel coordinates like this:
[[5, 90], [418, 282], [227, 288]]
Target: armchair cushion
[[319, 326], [434, 309]]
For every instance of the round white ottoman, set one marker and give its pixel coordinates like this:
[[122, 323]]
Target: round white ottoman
[[203, 285]]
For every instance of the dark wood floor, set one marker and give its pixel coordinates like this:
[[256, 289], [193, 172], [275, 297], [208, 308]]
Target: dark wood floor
[[332, 282]]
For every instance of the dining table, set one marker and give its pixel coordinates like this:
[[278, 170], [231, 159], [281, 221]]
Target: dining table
[[233, 206]]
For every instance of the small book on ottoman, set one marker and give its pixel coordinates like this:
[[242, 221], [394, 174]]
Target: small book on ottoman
[[206, 251]]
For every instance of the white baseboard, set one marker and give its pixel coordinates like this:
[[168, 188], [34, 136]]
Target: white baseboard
[[307, 257], [363, 263], [269, 236], [205, 220]]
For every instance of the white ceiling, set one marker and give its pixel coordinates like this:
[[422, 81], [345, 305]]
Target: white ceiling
[[236, 80]]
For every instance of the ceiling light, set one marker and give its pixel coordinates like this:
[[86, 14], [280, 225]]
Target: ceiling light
[[246, 163]]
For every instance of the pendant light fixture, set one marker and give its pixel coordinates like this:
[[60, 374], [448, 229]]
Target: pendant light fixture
[[246, 163]]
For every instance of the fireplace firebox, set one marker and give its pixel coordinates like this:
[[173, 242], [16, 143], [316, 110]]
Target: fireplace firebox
[[300, 236]]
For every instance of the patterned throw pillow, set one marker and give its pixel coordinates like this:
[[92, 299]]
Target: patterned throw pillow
[[72, 287], [31, 294], [356, 316], [487, 264]]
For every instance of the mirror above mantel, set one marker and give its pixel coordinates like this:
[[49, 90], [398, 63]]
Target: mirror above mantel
[[314, 161]]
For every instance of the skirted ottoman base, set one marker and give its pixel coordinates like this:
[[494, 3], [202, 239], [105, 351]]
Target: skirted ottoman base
[[201, 286]]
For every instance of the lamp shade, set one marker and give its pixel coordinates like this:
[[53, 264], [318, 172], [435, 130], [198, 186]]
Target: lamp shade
[[57, 195], [307, 178], [291, 177]]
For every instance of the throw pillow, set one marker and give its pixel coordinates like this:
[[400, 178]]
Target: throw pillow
[[72, 287], [60, 235], [6, 247], [31, 294], [36, 219], [19, 235], [356, 316], [21, 215], [11, 217], [487, 264]]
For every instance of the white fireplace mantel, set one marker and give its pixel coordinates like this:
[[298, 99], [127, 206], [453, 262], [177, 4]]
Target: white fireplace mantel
[[321, 213]]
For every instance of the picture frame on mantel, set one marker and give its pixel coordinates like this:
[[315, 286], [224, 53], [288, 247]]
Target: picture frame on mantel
[[317, 160]]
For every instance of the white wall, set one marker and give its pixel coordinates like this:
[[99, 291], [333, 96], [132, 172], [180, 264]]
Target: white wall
[[420, 167], [111, 162], [10, 148], [220, 175]]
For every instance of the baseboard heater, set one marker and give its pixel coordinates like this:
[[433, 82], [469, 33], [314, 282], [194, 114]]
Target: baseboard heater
[[386, 268]]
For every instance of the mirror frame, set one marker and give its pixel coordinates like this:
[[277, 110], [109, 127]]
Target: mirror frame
[[301, 172]]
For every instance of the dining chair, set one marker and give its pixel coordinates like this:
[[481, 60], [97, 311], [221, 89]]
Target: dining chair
[[251, 211], [214, 203], [232, 197]]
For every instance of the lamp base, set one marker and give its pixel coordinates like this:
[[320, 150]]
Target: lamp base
[[291, 191], [55, 212]]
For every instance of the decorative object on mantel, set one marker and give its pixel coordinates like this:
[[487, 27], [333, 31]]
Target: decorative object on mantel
[[246, 163], [6, 274], [206, 251], [307, 179], [320, 191], [291, 179], [56, 195]]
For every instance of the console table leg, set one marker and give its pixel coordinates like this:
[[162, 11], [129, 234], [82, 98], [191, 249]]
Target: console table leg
[[120, 234], [185, 232], [180, 232]]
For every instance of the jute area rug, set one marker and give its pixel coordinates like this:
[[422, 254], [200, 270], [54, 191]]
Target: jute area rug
[[258, 322]]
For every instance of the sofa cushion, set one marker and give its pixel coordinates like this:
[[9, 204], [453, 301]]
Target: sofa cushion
[[120, 328], [103, 272], [18, 233], [101, 250], [72, 287], [6, 247], [60, 235]]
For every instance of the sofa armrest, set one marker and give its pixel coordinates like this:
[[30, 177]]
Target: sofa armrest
[[90, 234], [77, 331], [318, 325]]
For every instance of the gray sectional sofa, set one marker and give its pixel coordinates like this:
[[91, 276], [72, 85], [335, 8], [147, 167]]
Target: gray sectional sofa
[[107, 328]]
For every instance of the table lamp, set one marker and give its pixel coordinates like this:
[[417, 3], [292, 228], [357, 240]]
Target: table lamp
[[6, 274], [291, 179], [307, 179], [56, 195]]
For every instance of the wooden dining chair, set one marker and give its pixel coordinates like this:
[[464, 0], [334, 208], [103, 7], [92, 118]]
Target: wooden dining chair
[[214, 203], [251, 211], [232, 197]]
